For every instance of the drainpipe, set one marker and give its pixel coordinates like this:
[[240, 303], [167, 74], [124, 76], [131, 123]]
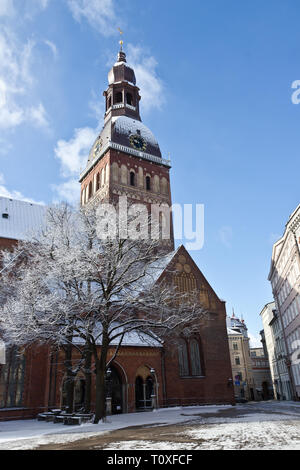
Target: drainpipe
[[163, 376]]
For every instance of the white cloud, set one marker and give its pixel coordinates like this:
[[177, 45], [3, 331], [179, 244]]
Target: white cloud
[[16, 82], [52, 47], [38, 116], [4, 192], [73, 154], [68, 191], [151, 86], [6, 8], [100, 14], [26, 8]]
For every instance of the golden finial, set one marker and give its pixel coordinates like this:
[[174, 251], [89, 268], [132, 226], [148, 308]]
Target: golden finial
[[121, 42]]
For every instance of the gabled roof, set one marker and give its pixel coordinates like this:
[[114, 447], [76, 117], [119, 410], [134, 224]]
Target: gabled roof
[[19, 219], [168, 264]]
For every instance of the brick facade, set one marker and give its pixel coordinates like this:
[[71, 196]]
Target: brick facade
[[196, 371]]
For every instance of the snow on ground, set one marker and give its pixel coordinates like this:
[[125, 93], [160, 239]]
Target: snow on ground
[[263, 425], [28, 434], [267, 435], [151, 445]]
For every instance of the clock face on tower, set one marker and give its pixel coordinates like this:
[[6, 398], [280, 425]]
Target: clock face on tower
[[137, 142], [97, 147]]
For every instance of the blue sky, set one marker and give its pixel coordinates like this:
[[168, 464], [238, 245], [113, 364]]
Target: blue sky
[[215, 79]]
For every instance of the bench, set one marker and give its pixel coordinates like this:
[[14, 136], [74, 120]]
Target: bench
[[71, 420]]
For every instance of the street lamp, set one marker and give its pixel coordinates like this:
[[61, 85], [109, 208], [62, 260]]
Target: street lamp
[[153, 396], [109, 391]]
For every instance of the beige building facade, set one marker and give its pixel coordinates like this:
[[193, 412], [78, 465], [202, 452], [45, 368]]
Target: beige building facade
[[263, 387], [285, 280], [239, 349], [275, 345]]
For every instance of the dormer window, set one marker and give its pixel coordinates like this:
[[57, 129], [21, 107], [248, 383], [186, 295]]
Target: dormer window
[[5, 215]]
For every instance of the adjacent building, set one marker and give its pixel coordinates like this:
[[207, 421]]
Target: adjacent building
[[263, 388], [244, 387], [285, 278], [277, 354]]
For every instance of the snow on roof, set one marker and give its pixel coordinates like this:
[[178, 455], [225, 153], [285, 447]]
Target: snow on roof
[[154, 271], [132, 338], [126, 125], [135, 338], [233, 332], [19, 219]]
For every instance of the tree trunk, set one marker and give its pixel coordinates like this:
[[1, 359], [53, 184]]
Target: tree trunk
[[69, 379], [100, 411], [88, 377]]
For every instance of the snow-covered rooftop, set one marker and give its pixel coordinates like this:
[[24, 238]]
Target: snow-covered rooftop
[[126, 125], [233, 332], [19, 219]]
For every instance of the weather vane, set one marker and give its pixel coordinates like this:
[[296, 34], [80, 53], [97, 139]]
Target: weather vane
[[121, 42]]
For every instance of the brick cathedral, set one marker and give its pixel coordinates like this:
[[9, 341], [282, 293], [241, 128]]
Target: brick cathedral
[[125, 160]]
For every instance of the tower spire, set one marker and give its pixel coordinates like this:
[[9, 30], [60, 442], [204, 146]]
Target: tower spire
[[121, 54]]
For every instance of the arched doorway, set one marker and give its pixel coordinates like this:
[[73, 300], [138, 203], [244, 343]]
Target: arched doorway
[[144, 389], [265, 391], [114, 391], [139, 393]]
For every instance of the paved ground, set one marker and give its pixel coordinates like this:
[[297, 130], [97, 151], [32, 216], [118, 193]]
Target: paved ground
[[262, 425]]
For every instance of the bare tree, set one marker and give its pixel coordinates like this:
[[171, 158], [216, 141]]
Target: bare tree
[[80, 289]]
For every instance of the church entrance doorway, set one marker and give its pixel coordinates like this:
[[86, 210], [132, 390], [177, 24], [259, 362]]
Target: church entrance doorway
[[114, 391], [144, 392]]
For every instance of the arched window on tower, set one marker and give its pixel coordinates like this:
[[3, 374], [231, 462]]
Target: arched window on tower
[[90, 189], [109, 103], [118, 97], [129, 99], [148, 183], [98, 181], [132, 178], [195, 357]]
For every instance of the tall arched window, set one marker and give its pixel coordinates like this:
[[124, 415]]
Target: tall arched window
[[195, 357], [90, 189], [132, 178], [148, 183], [183, 359], [97, 181]]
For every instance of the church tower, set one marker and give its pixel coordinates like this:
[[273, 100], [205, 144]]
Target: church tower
[[125, 159]]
